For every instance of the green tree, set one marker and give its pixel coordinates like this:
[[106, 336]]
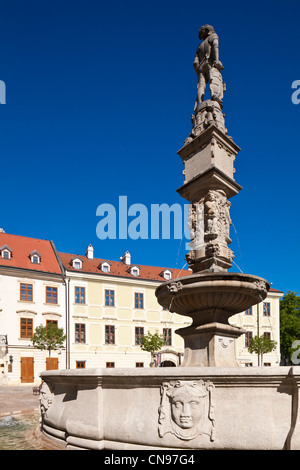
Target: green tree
[[48, 338], [289, 324], [152, 343], [261, 345]]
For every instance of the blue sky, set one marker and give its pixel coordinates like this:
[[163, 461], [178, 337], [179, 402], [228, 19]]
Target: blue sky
[[99, 99]]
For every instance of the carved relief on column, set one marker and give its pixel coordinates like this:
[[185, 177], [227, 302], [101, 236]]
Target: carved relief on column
[[196, 224], [217, 218], [209, 224], [187, 409], [207, 113]]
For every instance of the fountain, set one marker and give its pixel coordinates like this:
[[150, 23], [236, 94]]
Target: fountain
[[209, 402]]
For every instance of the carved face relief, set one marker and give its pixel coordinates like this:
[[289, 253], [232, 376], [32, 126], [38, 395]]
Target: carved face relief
[[186, 409], [46, 398]]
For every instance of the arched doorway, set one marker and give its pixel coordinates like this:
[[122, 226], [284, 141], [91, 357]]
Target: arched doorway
[[168, 364]]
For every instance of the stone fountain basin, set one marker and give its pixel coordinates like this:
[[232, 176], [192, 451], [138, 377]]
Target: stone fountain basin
[[212, 297]]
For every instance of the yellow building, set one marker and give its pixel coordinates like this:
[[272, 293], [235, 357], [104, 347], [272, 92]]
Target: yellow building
[[110, 305], [261, 319]]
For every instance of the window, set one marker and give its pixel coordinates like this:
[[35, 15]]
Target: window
[[35, 257], [139, 333], [54, 322], [167, 334], [167, 275], [51, 295], [267, 309], [267, 335], [105, 267], [109, 298], [248, 311], [79, 333], [138, 300], [248, 337], [110, 365], [26, 292], [79, 295], [139, 364], [80, 364], [109, 334], [6, 252], [134, 270], [26, 327], [77, 263]]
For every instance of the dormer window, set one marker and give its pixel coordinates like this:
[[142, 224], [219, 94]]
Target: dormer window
[[167, 274], [6, 252], [77, 263], [134, 270], [35, 257], [105, 267]]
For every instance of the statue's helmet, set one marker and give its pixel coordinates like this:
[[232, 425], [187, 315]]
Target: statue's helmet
[[205, 30]]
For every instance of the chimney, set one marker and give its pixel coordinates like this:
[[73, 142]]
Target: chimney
[[89, 252], [126, 258]]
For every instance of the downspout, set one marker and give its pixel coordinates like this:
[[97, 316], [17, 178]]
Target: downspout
[[66, 283], [67, 286]]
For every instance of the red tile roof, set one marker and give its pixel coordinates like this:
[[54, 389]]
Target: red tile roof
[[117, 268], [22, 247]]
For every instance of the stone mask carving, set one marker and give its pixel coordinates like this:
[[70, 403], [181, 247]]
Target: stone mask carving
[[186, 409], [46, 398]]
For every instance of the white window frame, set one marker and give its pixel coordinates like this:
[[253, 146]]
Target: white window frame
[[5, 249], [77, 260], [105, 267], [134, 269]]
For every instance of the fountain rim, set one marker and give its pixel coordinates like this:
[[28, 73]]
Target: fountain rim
[[214, 277]]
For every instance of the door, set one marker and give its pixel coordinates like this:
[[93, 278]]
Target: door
[[53, 363], [27, 369]]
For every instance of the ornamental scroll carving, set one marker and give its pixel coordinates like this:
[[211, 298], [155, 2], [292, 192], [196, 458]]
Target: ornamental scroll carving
[[187, 409]]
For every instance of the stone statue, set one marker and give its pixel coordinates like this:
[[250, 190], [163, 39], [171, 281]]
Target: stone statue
[[208, 66]]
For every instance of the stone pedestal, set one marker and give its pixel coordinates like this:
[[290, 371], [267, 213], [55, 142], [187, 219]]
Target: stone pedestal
[[210, 149], [210, 345]]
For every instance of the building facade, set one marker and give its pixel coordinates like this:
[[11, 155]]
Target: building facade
[[111, 305], [32, 293], [261, 319], [104, 307]]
